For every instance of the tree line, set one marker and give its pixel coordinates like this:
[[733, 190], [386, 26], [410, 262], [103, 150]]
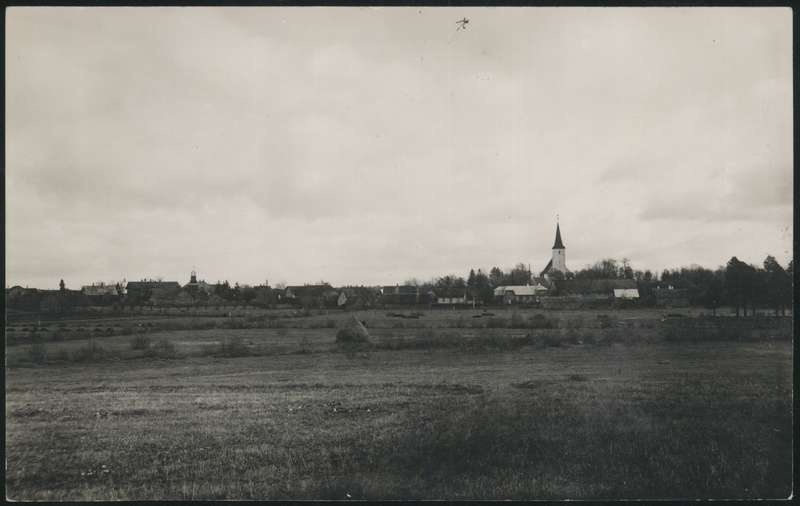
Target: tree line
[[737, 284]]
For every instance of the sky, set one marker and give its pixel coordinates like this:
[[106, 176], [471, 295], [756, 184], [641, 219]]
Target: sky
[[372, 145]]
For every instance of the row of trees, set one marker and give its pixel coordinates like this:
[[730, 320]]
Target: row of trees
[[738, 284]]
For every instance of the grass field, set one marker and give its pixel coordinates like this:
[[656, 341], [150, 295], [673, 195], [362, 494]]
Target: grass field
[[626, 416]]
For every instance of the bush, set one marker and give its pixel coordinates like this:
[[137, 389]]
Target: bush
[[90, 352], [57, 336], [37, 353], [330, 323], [140, 342]]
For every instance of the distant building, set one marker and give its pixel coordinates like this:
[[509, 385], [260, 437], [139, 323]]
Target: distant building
[[400, 294], [144, 290], [626, 293], [358, 297], [519, 294], [584, 286], [311, 295], [453, 300], [101, 289], [195, 287]]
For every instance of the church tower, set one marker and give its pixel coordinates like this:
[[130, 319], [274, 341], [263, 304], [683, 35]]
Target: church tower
[[559, 253], [558, 261]]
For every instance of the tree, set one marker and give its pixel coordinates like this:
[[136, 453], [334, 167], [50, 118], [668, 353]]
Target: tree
[[479, 286], [496, 277], [604, 269], [740, 284], [450, 286], [777, 285], [519, 275]]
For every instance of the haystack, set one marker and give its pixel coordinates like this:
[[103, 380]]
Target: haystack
[[354, 332]]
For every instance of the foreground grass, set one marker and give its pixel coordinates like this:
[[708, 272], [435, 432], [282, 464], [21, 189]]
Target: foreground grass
[[655, 421]]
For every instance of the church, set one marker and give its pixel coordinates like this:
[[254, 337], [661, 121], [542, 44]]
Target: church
[[558, 260]]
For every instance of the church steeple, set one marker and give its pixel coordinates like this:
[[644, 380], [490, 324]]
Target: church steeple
[[558, 244]]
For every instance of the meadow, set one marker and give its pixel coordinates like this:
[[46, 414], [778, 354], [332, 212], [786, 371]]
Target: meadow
[[525, 404]]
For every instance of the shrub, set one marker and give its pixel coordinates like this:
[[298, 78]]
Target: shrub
[[140, 342], [57, 336], [330, 323], [37, 353], [605, 321]]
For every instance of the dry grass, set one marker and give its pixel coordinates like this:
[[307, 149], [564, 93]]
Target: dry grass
[[430, 412]]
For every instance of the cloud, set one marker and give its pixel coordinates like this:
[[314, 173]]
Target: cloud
[[369, 145]]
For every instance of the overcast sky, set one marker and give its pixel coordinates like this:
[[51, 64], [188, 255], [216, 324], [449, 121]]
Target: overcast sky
[[365, 145]]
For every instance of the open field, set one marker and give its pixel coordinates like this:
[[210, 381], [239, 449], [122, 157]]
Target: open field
[[442, 406]]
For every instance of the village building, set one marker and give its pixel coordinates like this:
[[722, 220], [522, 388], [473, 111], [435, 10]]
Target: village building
[[196, 287], [400, 294], [146, 289], [626, 293], [519, 294], [101, 289], [357, 297], [319, 295]]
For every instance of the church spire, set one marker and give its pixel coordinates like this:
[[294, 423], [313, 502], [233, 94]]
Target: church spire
[[558, 244]]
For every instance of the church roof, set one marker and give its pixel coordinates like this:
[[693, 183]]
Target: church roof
[[558, 244], [547, 267]]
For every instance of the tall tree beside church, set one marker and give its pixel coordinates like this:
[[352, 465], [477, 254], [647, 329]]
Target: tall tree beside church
[[496, 277], [519, 275]]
